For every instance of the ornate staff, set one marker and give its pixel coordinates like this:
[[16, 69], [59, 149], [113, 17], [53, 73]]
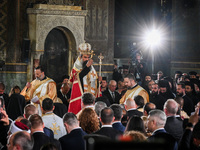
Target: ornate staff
[[100, 63]]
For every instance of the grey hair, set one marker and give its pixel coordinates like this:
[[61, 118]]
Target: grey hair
[[99, 106], [70, 119], [25, 141], [112, 81], [159, 116], [172, 106]]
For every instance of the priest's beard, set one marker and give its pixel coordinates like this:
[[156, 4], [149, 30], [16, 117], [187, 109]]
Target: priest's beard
[[84, 64], [189, 94], [163, 94], [179, 94], [154, 94]]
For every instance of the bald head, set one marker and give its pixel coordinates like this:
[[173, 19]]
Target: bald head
[[130, 103], [148, 107], [170, 107]]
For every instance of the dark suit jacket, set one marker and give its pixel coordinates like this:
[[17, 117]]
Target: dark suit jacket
[[40, 139], [133, 112], [162, 135], [3, 133], [108, 95], [64, 100], [74, 140], [174, 127], [188, 106], [118, 126], [158, 100], [109, 132], [60, 109], [48, 132], [186, 142]]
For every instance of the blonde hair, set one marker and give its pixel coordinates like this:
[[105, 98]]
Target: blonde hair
[[135, 136]]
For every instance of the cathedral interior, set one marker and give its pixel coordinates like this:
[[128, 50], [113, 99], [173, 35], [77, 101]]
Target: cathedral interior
[[48, 32]]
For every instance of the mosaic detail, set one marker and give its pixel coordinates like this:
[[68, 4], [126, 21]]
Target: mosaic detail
[[3, 23]]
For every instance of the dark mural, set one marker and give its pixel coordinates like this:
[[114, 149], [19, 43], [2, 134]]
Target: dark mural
[[3, 30]]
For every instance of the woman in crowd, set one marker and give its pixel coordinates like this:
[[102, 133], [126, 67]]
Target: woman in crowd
[[89, 121], [135, 123]]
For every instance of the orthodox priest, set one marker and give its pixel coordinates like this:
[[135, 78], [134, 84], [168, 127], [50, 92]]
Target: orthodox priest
[[83, 78], [133, 89], [39, 89]]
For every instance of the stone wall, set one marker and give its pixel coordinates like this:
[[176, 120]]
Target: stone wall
[[185, 39], [99, 32]]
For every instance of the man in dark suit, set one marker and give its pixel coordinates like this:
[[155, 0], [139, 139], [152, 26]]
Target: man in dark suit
[[39, 137], [147, 108], [156, 122], [106, 118], [118, 116], [29, 110], [173, 125], [191, 136], [63, 94], [131, 108], [111, 94], [74, 139]]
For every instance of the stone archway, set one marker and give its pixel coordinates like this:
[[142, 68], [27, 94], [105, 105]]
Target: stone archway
[[57, 51], [43, 19]]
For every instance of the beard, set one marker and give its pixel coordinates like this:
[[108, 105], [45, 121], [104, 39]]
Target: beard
[[154, 93], [40, 78], [189, 93], [179, 94], [163, 94]]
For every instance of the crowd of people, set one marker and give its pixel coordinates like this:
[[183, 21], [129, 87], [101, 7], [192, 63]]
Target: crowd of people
[[47, 116]]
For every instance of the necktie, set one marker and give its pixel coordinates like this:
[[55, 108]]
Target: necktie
[[113, 95]]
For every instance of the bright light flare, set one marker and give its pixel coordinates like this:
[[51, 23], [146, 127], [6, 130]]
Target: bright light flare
[[153, 38]]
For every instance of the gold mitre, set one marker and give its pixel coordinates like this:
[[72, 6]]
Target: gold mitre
[[85, 49]]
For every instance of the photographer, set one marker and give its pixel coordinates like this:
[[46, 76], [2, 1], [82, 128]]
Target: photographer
[[139, 68]]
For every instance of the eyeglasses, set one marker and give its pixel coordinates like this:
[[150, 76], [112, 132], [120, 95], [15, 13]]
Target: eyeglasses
[[113, 86]]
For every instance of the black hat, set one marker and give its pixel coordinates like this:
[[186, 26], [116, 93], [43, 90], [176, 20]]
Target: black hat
[[65, 77], [163, 83], [178, 72], [190, 84], [192, 73], [104, 78], [125, 66]]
